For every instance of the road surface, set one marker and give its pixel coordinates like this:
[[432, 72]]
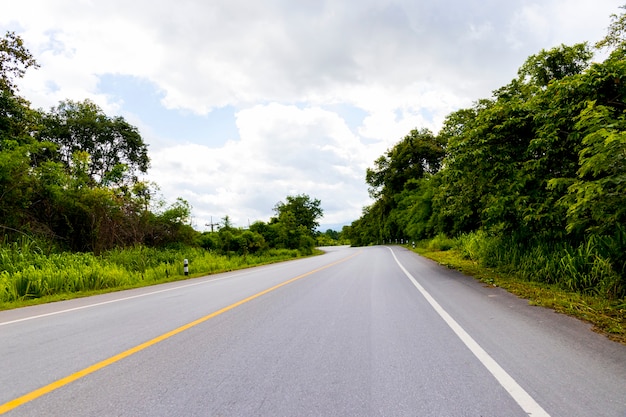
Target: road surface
[[375, 331]]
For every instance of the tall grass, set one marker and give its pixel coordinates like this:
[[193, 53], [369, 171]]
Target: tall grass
[[589, 268], [26, 272], [441, 242]]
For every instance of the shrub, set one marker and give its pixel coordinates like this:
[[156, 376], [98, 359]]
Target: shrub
[[441, 243]]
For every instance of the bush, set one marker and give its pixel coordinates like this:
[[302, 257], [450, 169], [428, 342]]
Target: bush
[[586, 268], [441, 243]]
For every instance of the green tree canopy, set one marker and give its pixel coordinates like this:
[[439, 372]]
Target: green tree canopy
[[15, 59], [556, 63], [116, 150], [300, 210], [417, 154]]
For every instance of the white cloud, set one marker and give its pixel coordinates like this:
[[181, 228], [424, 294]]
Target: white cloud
[[283, 150]]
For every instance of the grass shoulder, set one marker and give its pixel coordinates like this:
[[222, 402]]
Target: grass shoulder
[[607, 316], [158, 275]]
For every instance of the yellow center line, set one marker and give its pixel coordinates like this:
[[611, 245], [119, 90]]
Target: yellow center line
[[6, 407]]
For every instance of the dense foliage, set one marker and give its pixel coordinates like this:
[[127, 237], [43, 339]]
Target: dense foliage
[[70, 176], [536, 174], [294, 227]]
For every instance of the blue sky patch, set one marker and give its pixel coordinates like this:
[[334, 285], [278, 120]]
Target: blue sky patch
[[143, 99]]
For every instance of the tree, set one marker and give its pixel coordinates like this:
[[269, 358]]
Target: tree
[[616, 34], [226, 236], [173, 225], [295, 224], [417, 154], [370, 228], [595, 199], [15, 59], [70, 175], [502, 153], [116, 150], [555, 64], [267, 231], [18, 151], [455, 205], [250, 242], [227, 224], [16, 187], [414, 208], [300, 210]]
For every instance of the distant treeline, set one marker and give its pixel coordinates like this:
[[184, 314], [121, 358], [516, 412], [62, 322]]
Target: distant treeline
[[533, 178], [294, 227]]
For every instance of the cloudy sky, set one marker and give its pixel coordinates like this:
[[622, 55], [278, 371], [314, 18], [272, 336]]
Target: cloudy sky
[[244, 102]]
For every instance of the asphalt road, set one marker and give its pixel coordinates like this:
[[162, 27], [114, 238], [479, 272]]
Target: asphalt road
[[356, 332]]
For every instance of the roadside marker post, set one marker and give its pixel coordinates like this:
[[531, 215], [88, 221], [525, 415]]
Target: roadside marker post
[[186, 265]]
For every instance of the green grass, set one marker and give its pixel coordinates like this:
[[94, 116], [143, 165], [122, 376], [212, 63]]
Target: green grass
[[608, 316], [594, 267], [28, 276]]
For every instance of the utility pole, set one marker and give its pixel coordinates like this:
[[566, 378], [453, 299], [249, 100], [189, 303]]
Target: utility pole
[[212, 224]]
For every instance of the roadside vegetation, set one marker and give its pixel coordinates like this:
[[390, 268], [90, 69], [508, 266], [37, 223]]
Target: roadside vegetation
[[32, 273], [29, 276], [528, 184], [471, 254]]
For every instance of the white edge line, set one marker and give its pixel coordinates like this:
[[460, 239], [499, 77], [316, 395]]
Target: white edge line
[[528, 404]]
